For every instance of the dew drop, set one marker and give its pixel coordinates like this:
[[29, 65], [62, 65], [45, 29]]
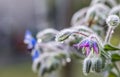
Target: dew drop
[[68, 60]]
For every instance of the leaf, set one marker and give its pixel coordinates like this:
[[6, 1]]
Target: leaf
[[64, 36], [115, 57], [112, 74], [109, 47]]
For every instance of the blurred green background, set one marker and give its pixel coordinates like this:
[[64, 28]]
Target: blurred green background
[[17, 70], [16, 16]]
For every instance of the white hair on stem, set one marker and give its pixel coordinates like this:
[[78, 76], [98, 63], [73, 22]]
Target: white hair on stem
[[78, 16], [115, 10], [112, 2], [112, 22], [97, 11], [50, 30]]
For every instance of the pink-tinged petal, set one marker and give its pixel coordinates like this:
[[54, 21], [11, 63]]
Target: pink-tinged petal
[[87, 50], [84, 43], [87, 44], [95, 48], [81, 44]]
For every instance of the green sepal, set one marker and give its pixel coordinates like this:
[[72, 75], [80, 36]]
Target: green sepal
[[109, 47], [112, 74], [64, 36], [115, 57]]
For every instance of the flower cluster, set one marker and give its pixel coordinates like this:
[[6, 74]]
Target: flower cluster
[[47, 55], [93, 60], [52, 49]]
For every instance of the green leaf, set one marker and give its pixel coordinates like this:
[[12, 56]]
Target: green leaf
[[64, 36], [112, 74], [115, 57], [109, 47]]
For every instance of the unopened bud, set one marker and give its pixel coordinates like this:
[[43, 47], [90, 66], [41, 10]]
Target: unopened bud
[[113, 20], [87, 66], [98, 65]]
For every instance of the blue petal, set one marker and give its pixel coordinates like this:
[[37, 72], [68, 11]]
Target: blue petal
[[84, 43], [33, 41], [29, 40], [87, 44], [35, 55], [95, 48]]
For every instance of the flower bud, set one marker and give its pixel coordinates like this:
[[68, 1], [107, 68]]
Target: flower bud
[[98, 65], [46, 35], [63, 35], [87, 66], [113, 20]]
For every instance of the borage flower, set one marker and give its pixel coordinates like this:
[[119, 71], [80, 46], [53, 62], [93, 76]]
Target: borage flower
[[88, 45], [35, 54], [29, 40]]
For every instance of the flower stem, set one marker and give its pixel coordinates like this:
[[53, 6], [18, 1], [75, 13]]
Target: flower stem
[[82, 34], [109, 34]]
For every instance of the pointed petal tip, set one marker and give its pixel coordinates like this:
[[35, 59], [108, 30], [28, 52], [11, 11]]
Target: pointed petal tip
[[87, 50], [95, 48]]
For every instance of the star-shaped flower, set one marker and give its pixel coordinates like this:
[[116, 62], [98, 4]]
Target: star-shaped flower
[[88, 46]]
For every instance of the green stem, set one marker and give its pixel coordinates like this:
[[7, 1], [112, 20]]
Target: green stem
[[116, 68]]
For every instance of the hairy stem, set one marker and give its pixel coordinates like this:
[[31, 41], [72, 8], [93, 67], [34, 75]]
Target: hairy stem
[[82, 34], [109, 34]]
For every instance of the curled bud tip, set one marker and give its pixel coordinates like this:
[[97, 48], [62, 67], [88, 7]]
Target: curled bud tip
[[113, 20]]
